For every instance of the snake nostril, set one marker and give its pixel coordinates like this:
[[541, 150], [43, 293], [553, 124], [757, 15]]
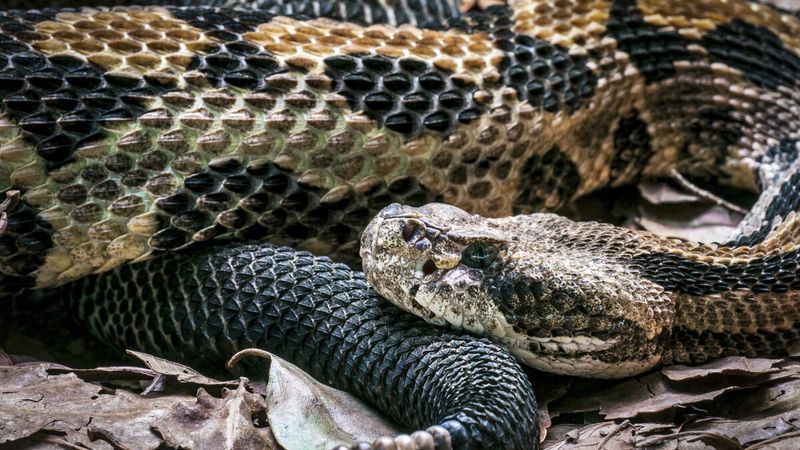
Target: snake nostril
[[429, 267], [408, 231]]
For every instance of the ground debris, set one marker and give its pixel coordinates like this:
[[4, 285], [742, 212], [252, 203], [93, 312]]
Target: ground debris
[[170, 405], [307, 414], [731, 403], [43, 404]]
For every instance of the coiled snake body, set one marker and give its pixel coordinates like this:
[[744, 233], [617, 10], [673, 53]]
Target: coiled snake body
[[126, 133]]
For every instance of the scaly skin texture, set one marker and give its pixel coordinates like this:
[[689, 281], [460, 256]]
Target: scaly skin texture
[[325, 318], [586, 298], [132, 132]]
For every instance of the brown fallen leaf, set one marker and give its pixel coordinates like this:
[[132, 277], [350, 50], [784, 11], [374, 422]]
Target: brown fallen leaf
[[661, 193], [604, 435], [655, 393], [216, 423], [734, 365], [672, 211], [306, 414], [34, 401], [41, 408], [179, 373], [783, 442], [731, 403]]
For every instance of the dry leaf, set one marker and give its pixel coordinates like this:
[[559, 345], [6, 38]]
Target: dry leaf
[[731, 403], [734, 365], [605, 435], [660, 193], [42, 406], [306, 414], [217, 423], [655, 393], [670, 211], [181, 373], [34, 401]]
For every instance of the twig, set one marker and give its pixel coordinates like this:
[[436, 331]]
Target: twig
[[702, 193], [718, 438], [775, 439], [626, 424]]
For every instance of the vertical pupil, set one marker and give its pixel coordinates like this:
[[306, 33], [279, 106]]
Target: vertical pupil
[[478, 256]]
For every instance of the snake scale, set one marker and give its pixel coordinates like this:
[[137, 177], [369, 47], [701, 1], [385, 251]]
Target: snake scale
[[134, 134]]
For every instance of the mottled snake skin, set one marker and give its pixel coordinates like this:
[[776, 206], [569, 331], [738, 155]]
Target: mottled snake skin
[[127, 133]]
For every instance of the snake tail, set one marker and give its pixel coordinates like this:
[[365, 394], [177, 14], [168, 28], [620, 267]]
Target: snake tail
[[323, 317]]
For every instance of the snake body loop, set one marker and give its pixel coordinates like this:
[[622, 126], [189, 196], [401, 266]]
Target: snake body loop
[[326, 319]]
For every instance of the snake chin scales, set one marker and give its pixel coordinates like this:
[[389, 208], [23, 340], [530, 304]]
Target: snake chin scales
[[558, 309]]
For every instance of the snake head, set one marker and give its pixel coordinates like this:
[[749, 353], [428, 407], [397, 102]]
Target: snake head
[[431, 262], [558, 308]]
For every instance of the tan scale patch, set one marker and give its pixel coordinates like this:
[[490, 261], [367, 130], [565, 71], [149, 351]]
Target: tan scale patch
[[576, 25], [19, 166], [139, 41], [477, 166], [693, 18], [99, 235], [305, 43], [588, 135]]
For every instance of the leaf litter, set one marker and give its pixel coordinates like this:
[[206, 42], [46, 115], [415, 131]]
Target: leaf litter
[[731, 403], [169, 405]]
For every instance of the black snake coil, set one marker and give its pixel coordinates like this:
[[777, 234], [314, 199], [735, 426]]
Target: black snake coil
[[323, 317]]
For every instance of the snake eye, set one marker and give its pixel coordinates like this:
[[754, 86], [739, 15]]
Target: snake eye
[[480, 255]]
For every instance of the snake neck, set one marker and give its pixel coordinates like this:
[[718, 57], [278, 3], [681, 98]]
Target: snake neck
[[741, 297], [737, 298]]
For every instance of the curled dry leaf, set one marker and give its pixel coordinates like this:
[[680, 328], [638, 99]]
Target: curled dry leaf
[[180, 373], [306, 414]]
